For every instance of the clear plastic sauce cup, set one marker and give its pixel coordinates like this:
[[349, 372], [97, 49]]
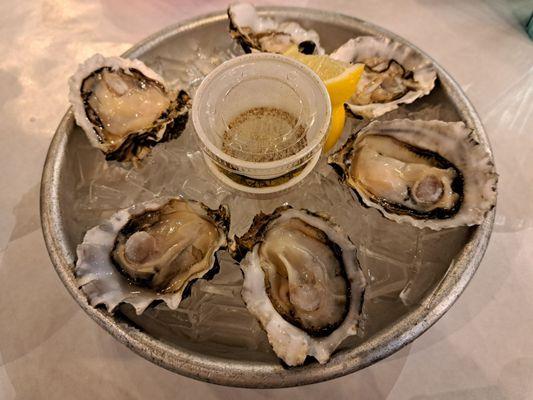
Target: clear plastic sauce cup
[[261, 115]]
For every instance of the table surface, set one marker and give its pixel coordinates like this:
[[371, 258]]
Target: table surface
[[481, 349]]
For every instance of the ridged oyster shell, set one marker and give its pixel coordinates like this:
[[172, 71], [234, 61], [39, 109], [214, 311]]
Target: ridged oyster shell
[[431, 174], [302, 281], [137, 256], [394, 74], [124, 107], [268, 35]]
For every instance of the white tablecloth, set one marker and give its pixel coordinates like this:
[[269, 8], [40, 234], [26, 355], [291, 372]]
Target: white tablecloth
[[481, 349]]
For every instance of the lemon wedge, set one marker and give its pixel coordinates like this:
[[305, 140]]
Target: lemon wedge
[[341, 81], [338, 118]]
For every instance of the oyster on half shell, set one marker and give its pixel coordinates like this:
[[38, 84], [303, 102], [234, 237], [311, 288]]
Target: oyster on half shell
[[124, 107], [253, 32], [394, 74], [150, 251], [430, 174], [302, 281]]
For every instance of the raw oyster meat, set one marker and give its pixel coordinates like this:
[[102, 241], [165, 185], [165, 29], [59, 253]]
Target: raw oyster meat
[[150, 251], [430, 174], [302, 281], [267, 35], [394, 74], [124, 107]]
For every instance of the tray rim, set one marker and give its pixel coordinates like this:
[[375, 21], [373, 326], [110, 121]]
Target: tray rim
[[248, 374]]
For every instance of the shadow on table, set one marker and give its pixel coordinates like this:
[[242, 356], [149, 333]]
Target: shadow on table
[[32, 299]]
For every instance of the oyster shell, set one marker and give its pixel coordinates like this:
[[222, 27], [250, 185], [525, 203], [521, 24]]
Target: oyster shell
[[430, 174], [302, 281], [267, 35], [150, 251], [394, 74], [124, 107]]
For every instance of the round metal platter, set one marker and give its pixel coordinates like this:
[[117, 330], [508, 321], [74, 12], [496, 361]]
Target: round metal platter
[[58, 187]]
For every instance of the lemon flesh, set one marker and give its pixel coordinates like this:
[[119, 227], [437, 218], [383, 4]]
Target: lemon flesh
[[341, 81]]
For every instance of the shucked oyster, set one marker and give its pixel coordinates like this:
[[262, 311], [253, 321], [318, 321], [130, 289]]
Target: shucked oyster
[[151, 251], [267, 35], [394, 74], [430, 174], [302, 282], [124, 107]]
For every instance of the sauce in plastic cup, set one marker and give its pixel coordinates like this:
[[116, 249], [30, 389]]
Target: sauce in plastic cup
[[261, 116]]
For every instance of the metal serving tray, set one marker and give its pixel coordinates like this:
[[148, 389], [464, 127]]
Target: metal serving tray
[[63, 229]]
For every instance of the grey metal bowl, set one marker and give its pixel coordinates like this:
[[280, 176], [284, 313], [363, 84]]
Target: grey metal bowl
[[57, 222]]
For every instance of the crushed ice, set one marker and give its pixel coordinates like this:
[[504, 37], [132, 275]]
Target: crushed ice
[[400, 261]]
